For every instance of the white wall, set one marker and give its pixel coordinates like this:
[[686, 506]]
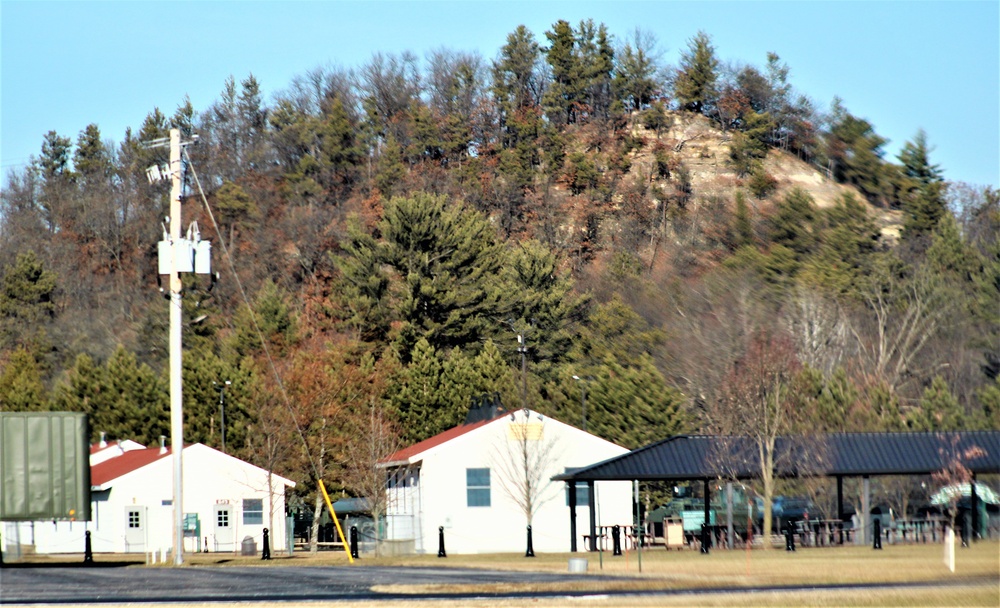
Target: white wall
[[501, 527], [210, 478]]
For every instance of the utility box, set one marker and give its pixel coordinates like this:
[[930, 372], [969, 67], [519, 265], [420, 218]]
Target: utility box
[[44, 466]]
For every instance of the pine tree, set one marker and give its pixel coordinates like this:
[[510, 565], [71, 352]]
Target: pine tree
[[21, 388], [635, 85], [562, 93], [939, 410], [694, 87], [923, 199], [27, 303]]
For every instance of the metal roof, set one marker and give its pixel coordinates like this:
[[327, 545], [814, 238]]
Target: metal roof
[[686, 457]]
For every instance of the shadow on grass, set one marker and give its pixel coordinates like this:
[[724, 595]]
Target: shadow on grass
[[80, 564]]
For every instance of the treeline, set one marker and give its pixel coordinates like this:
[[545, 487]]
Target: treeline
[[412, 235]]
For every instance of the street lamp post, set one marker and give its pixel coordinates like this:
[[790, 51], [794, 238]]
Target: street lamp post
[[522, 347], [583, 400], [222, 410]]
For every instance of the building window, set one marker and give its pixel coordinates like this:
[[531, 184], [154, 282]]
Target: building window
[[582, 494], [253, 511], [477, 482], [134, 520], [222, 518]]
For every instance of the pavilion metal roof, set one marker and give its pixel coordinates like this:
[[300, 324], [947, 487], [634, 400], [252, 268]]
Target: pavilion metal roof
[[688, 457]]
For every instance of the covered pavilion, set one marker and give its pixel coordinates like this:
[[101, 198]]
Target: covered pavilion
[[706, 458]]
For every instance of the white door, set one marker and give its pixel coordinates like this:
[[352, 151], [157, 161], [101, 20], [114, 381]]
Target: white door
[[224, 528], [135, 529]]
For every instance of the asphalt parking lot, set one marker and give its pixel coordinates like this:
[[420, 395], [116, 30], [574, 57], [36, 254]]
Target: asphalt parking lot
[[103, 584]]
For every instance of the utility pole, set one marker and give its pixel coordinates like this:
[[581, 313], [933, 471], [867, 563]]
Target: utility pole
[[177, 255], [176, 385]]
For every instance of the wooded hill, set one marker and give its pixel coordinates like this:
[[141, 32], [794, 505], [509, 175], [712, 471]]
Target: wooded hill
[[650, 230]]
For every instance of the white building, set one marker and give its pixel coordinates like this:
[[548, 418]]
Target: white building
[[470, 481], [225, 500]]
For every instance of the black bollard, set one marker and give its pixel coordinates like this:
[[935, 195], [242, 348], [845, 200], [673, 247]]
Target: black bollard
[[530, 551], [266, 553], [706, 538], [877, 534], [88, 551], [354, 542], [789, 539], [204, 548], [441, 551], [616, 539]]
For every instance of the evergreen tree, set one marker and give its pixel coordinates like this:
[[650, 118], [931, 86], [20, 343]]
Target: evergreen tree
[[939, 410], [563, 91], [21, 388], [540, 295], [854, 151], [632, 405], [749, 146], [743, 229], [635, 84], [433, 271], [83, 389], [694, 86], [27, 292], [923, 200]]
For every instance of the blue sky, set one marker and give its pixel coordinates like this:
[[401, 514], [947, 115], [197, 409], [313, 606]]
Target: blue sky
[[901, 65]]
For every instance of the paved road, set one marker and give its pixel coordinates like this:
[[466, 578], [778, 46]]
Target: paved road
[[48, 584], [102, 584]]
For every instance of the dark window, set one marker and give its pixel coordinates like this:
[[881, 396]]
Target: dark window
[[134, 520], [222, 518], [477, 482]]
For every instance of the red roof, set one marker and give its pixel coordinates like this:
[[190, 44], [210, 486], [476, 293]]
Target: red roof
[[114, 468], [437, 440]]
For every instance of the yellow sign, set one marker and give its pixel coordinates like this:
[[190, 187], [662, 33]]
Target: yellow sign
[[531, 431]]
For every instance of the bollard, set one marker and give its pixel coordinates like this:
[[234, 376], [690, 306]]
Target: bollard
[[441, 551], [204, 548], [706, 538], [616, 539], [266, 552], [88, 552], [877, 534], [1, 550], [530, 551], [354, 542], [789, 539]]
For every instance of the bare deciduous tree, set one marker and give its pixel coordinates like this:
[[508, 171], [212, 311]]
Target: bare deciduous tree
[[901, 315], [818, 328], [375, 438], [754, 410], [524, 460]]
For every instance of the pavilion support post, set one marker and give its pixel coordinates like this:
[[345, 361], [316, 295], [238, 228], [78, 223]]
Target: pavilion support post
[[592, 503], [729, 514], [840, 507], [571, 488], [974, 505], [706, 535], [866, 509]]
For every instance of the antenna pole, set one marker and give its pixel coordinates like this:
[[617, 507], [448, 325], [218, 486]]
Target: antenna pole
[[176, 402]]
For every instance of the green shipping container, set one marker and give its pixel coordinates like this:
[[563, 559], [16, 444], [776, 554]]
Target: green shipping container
[[44, 466]]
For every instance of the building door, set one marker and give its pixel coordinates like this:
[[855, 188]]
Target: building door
[[135, 529], [224, 533]]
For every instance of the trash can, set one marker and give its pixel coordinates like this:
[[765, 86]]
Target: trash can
[[577, 564], [249, 546]]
